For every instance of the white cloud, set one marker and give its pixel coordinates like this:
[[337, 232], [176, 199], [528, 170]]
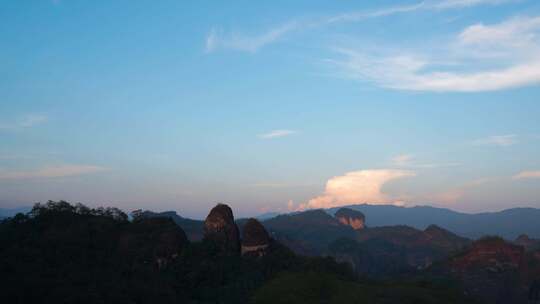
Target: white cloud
[[402, 160], [217, 39], [526, 175], [480, 58], [498, 140], [290, 205], [252, 42], [422, 5], [409, 161], [450, 4], [51, 172], [419, 6], [276, 134], [24, 122], [387, 11], [364, 186]]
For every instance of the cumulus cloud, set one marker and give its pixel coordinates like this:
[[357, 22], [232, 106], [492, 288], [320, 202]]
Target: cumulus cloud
[[290, 205], [364, 186], [51, 172], [480, 58], [276, 134], [497, 140], [526, 175]]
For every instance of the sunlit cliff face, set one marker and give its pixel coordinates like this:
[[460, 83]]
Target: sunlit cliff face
[[355, 223], [355, 187]]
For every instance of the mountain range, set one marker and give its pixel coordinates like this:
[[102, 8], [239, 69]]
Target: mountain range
[[509, 223], [63, 253], [414, 242]]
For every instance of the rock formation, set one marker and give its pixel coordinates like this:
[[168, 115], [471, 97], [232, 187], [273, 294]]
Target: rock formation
[[220, 228], [255, 239], [353, 218], [490, 253], [493, 270], [528, 243]]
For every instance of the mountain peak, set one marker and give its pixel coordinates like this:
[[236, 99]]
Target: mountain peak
[[350, 217], [220, 228]]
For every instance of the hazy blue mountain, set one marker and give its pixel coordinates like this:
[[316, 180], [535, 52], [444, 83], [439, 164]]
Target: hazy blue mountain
[[267, 216], [508, 224], [12, 211]]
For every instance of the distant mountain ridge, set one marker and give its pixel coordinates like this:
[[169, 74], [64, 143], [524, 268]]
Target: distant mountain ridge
[[509, 223], [9, 212]]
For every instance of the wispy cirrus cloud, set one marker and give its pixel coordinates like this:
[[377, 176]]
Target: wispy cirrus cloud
[[364, 186], [480, 58], [251, 42], [527, 175], [410, 8], [218, 39], [498, 140], [410, 161], [276, 134], [402, 160], [23, 122], [51, 172], [450, 4]]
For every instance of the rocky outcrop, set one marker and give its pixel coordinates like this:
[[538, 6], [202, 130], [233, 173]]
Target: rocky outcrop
[[255, 239], [353, 218], [527, 243], [492, 270], [492, 254], [220, 228]]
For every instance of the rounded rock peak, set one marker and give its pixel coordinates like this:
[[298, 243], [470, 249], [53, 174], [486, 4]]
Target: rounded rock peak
[[222, 211], [254, 234], [220, 228]]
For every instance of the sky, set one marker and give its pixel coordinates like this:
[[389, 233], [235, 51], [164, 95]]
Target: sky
[[270, 107]]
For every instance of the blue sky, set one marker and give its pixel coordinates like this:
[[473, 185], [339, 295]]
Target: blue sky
[[280, 106]]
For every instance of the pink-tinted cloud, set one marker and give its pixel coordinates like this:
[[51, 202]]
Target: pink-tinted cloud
[[364, 186], [527, 175]]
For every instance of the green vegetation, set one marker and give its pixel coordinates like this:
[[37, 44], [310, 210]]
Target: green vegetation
[[311, 288]]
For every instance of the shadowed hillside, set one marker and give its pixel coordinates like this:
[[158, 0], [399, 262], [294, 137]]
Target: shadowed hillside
[[73, 254]]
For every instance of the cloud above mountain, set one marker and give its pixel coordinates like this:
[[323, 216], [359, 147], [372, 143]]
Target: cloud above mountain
[[364, 186]]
